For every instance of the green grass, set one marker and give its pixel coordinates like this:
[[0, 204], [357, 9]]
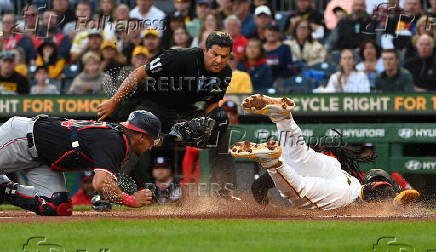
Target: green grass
[[219, 235]]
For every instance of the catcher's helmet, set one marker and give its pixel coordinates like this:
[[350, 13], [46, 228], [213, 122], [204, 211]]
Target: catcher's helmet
[[377, 191], [144, 122]]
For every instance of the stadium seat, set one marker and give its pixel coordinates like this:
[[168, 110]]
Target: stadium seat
[[281, 18], [296, 85], [70, 72], [334, 57], [326, 67]]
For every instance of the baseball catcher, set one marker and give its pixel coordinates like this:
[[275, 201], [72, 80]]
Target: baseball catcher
[[172, 83], [43, 147], [310, 179]]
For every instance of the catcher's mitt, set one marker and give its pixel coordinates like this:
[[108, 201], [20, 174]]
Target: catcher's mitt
[[194, 133]]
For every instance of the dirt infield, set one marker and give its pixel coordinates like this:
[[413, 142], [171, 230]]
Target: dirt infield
[[221, 209]]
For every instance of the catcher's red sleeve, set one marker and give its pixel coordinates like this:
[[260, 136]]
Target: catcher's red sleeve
[[401, 181]]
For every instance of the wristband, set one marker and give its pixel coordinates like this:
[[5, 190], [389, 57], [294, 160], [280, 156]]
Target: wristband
[[128, 200]]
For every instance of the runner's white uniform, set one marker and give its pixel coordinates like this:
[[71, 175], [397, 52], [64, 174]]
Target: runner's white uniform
[[310, 179]]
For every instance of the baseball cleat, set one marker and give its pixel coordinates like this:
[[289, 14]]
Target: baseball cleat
[[4, 181], [275, 108], [406, 197], [265, 153]]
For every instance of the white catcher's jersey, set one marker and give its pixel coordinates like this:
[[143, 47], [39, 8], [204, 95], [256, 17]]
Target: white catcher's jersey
[[309, 179]]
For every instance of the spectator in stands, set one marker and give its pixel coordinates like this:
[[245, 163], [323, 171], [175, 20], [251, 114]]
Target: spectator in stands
[[151, 41], [330, 18], [86, 191], [11, 39], [48, 56], [91, 80], [304, 48], [43, 85], [423, 67], [20, 62], [166, 188], [181, 39], [63, 12], [339, 13], [241, 8], [106, 8], [263, 16], [348, 80], [355, 28], [405, 25], [254, 63], [432, 10], [11, 82], [112, 59], [278, 55], [423, 26], [394, 79], [183, 7], [30, 17], [233, 28], [202, 9], [175, 21], [50, 31], [139, 58], [128, 38], [84, 14], [413, 8], [304, 9], [145, 11], [241, 82], [231, 109], [225, 9], [371, 64], [122, 12], [81, 44], [210, 24], [373, 5]]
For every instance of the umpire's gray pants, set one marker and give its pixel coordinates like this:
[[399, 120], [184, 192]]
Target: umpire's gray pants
[[16, 155]]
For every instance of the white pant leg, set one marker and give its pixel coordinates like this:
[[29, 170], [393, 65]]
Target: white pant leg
[[303, 159], [14, 151], [46, 181], [312, 192]]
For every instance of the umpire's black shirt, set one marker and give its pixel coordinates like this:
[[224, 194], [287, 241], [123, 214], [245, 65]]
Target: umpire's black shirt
[[177, 79], [101, 147]]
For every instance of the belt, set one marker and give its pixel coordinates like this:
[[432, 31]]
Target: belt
[[31, 139]]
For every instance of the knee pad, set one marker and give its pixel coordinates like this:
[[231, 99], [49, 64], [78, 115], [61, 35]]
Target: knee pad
[[58, 205]]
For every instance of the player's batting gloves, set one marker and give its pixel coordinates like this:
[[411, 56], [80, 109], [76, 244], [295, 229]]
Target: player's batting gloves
[[194, 133]]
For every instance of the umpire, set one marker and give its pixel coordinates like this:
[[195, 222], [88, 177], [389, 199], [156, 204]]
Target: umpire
[[43, 147], [173, 81]]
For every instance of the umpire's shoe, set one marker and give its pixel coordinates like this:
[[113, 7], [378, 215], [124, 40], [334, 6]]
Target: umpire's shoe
[[194, 133], [267, 154], [275, 108]]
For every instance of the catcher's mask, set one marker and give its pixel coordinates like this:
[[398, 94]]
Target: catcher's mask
[[377, 191]]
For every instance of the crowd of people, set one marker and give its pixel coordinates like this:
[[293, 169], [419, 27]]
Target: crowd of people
[[82, 47]]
